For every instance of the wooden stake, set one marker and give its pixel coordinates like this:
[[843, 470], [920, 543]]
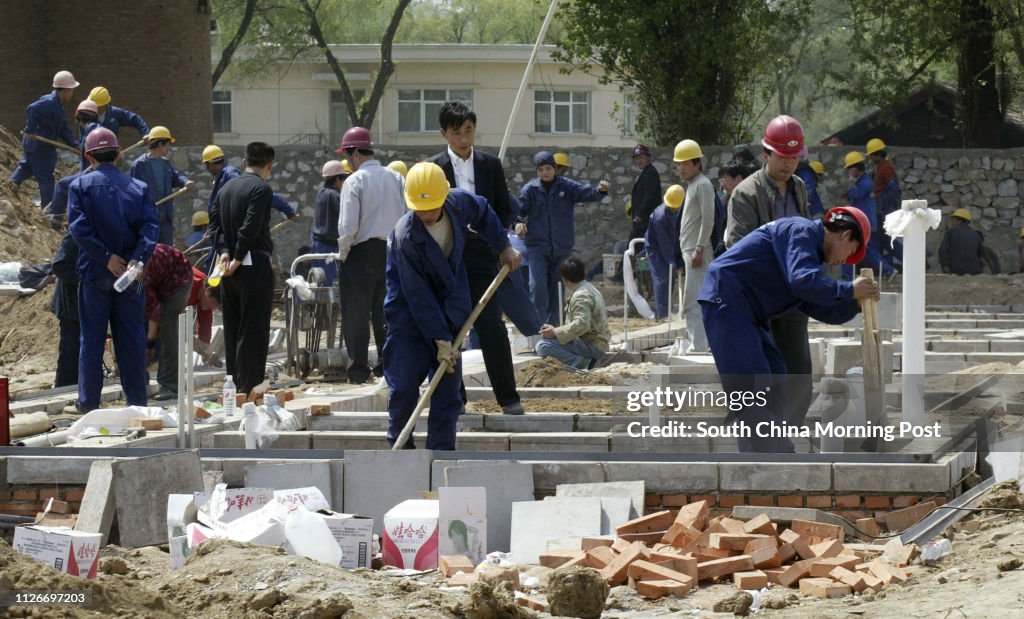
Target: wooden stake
[[874, 394]]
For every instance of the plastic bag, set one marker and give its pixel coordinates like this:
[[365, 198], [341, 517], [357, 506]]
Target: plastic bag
[[300, 286]]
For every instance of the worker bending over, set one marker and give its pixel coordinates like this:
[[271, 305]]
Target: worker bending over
[[662, 243]]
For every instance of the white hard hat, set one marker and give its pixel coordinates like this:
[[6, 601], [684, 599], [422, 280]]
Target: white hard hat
[[64, 79]]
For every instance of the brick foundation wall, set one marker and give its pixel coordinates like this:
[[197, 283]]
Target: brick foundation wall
[[30, 499]]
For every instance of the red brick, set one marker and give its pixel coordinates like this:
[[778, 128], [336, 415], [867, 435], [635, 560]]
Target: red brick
[[902, 519], [651, 500], [24, 495], [74, 494], [761, 500], [731, 500], [876, 502], [939, 500], [849, 501], [673, 500], [819, 501], [904, 500], [49, 493], [5, 495], [19, 508], [710, 498]]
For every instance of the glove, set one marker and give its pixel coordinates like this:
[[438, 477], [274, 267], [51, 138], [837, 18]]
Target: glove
[[445, 354]]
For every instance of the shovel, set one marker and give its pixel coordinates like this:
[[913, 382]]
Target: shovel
[[39, 138], [172, 196]]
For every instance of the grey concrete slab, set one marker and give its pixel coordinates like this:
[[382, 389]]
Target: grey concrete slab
[[48, 470], [316, 473], [606, 423], [530, 422], [337, 473], [547, 475], [559, 441], [506, 483], [977, 358], [772, 477], [1011, 346], [376, 481], [482, 441], [285, 440], [963, 346], [96, 513], [633, 490], [615, 511], [667, 477], [358, 440], [536, 522], [234, 468], [373, 422], [141, 486], [888, 477], [211, 479], [623, 442]]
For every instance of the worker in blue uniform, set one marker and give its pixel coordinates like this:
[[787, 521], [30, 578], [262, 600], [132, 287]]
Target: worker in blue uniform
[[428, 298], [662, 244], [113, 220], [547, 210], [860, 194], [810, 176], [323, 236], [45, 118], [113, 117], [770, 271], [87, 117], [162, 179]]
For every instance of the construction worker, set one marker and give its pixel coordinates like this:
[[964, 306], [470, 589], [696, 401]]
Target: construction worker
[[767, 274], [113, 117], [960, 251], [481, 173], [662, 244], [87, 116], [113, 220], [550, 229], [168, 283], [240, 233], [398, 166], [323, 237], [45, 118], [810, 176], [370, 205], [584, 337], [161, 178], [646, 193], [859, 194], [64, 306], [200, 222], [886, 191], [562, 164], [698, 222], [729, 176], [771, 193], [428, 297]]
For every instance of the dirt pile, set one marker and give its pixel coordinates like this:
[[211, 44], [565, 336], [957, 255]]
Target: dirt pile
[[549, 372], [1005, 495]]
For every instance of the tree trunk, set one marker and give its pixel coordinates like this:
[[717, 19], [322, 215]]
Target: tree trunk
[[229, 50], [978, 109]]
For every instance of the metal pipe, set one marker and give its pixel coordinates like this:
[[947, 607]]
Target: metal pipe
[[913, 366], [671, 275], [184, 328], [190, 315], [13, 518], [49, 439], [5, 411]]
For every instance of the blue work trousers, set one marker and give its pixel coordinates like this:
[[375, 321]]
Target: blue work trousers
[[515, 302], [544, 280], [578, 354], [408, 360], [38, 164], [659, 273], [101, 306]]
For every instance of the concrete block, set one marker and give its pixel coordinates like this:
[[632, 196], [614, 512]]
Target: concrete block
[[506, 483], [285, 440], [606, 423], [337, 473], [364, 441], [536, 522], [615, 511], [845, 354], [365, 422], [666, 477], [547, 475], [818, 350], [96, 514], [376, 481], [623, 442], [234, 468], [141, 486], [772, 477], [211, 479], [482, 441], [890, 313], [1012, 346], [560, 441], [633, 490], [1001, 323], [50, 470], [962, 346], [977, 358], [530, 422], [890, 478], [316, 473]]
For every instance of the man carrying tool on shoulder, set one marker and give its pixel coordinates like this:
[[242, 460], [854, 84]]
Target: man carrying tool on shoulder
[[428, 297]]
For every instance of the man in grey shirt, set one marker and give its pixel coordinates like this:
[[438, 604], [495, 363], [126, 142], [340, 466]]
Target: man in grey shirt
[[695, 236], [771, 193]]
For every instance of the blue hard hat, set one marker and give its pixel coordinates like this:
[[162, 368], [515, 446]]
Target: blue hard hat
[[543, 158]]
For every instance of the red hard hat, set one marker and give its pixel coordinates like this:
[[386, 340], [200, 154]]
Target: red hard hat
[[356, 137], [100, 138], [855, 215], [784, 135], [641, 149]]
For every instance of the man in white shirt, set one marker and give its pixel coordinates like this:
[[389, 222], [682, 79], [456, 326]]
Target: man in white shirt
[[695, 236], [372, 202]]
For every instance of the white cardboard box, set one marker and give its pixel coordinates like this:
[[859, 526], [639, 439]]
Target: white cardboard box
[[72, 552], [462, 526], [410, 535], [355, 536], [181, 510]]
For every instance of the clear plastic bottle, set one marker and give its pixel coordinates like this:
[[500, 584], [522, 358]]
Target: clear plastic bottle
[[936, 550], [218, 272], [251, 422], [128, 277], [229, 396]]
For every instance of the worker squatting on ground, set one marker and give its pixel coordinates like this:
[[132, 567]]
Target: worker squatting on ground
[[45, 118], [113, 117], [662, 244], [770, 272], [168, 283], [584, 337], [859, 193], [371, 203], [549, 227], [113, 221], [695, 236], [428, 297], [960, 251], [64, 306], [323, 236], [240, 230], [481, 173], [162, 179], [771, 193]]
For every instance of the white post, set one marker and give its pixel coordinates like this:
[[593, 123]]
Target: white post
[[190, 316], [183, 330], [671, 280]]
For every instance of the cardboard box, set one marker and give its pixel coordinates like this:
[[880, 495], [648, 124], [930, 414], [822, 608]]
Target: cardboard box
[[311, 498], [355, 536], [181, 511], [68, 551], [225, 505], [462, 525], [410, 535]]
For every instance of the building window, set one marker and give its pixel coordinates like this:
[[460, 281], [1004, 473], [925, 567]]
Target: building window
[[418, 109], [561, 111], [222, 111], [340, 122], [628, 115]]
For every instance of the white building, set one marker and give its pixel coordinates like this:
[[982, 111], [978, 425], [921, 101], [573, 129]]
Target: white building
[[303, 103]]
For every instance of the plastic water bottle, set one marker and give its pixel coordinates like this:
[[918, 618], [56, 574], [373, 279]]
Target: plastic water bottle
[[128, 277], [309, 536], [214, 280], [229, 396], [251, 421], [936, 550]]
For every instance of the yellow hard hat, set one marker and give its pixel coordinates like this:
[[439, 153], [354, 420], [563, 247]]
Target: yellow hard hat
[[687, 150], [1022, 233], [852, 158], [875, 145], [818, 167], [348, 166], [962, 213], [100, 96], [425, 187], [212, 152], [398, 166], [674, 196], [200, 218], [562, 159], [160, 132]]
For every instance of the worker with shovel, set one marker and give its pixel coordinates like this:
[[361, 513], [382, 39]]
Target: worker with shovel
[[769, 272], [113, 117], [428, 297], [162, 178], [45, 118]]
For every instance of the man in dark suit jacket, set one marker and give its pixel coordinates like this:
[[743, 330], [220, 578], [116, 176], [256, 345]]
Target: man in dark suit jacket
[[481, 173], [646, 194]]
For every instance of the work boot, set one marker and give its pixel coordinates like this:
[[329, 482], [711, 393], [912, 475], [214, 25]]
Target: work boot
[[165, 394], [516, 408]]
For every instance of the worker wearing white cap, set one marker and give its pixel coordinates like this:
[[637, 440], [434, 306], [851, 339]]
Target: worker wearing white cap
[[46, 118]]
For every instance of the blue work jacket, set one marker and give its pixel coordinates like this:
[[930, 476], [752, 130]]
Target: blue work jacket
[[427, 293], [325, 217], [549, 212], [662, 237], [45, 117], [810, 178], [860, 196], [114, 118], [228, 172]]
